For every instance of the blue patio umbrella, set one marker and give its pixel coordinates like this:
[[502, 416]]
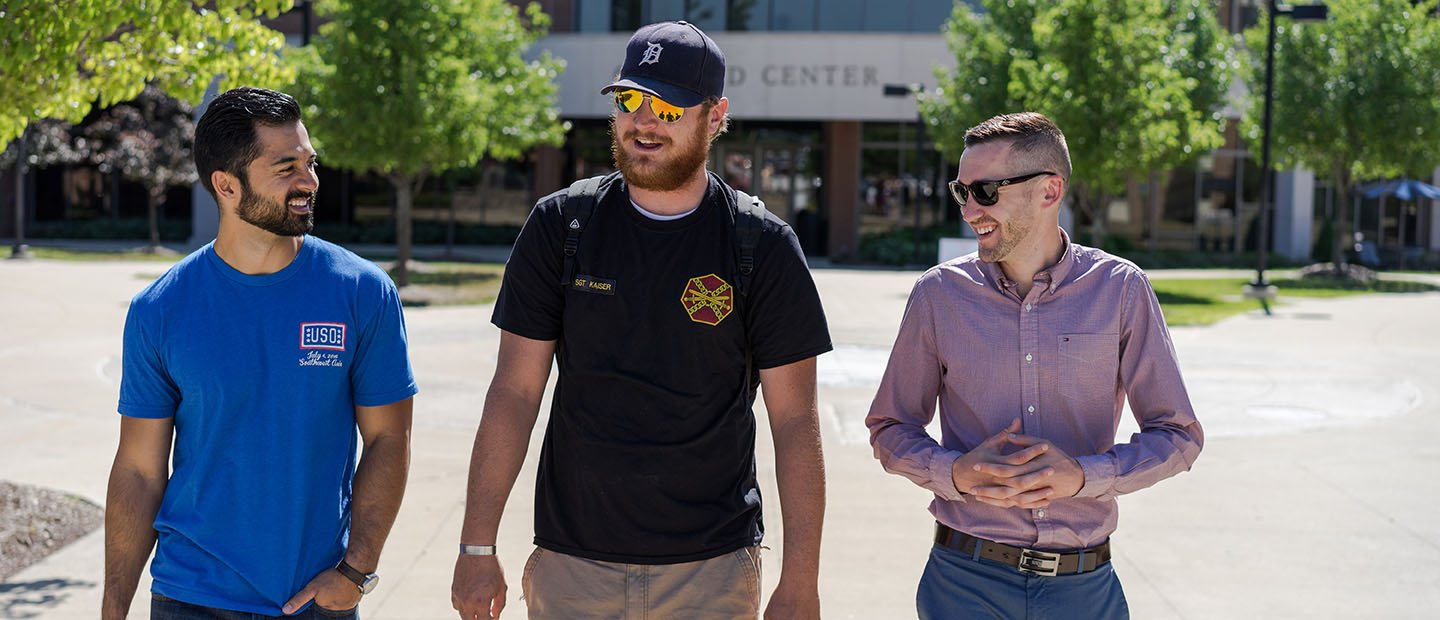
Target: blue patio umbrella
[[1404, 189]]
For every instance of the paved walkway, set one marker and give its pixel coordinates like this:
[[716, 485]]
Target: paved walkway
[[1314, 498]]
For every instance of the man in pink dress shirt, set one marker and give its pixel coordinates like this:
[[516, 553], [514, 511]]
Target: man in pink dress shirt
[[1030, 347]]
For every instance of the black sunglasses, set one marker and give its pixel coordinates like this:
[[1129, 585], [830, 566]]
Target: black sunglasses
[[986, 193]]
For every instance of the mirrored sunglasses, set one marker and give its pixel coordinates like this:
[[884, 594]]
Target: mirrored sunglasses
[[630, 100]]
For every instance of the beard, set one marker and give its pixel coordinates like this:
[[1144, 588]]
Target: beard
[[275, 217], [649, 172], [1012, 234]]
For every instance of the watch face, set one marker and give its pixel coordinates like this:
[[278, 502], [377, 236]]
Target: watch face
[[371, 581]]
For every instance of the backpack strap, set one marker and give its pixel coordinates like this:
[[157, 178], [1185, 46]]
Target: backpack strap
[[747, 214], [749, 217], [579, 205]]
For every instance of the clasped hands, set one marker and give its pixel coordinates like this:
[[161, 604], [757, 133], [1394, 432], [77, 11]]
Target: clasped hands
[[1011, 470]]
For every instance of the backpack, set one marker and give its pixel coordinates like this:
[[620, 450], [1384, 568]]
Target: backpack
[[746, 214]]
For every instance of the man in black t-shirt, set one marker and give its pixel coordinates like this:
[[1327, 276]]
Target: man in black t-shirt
[[646, 501]]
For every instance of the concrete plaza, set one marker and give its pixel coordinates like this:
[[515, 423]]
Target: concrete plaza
[[1315, 496]]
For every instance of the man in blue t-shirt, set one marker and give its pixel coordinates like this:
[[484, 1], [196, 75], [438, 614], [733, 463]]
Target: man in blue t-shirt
[[260, 357]]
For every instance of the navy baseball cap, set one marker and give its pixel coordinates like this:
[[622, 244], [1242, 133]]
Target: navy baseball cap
[[674, 61]]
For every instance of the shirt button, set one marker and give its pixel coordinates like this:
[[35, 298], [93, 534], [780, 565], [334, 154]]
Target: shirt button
[[1031, 409], [1029, 357], [1040, 513], [1027, 307]]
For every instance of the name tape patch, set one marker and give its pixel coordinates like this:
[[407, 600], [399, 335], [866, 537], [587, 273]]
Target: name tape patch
[[592, 284]]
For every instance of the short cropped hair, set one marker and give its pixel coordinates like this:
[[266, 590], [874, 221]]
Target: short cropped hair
[[1033, 138], [225, 137]]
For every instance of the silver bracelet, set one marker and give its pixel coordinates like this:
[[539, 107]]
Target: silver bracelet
[[477, 549]]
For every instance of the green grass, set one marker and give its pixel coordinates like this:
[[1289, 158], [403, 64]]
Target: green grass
[[432, 284], [1185, 301], [1202, 302], [451, 283], [98, 255]]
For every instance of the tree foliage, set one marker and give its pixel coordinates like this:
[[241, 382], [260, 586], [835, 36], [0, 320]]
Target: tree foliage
[[413, 88], [1136, 85], [58, 59], [148, 140], [46, 143], [1356, 96]]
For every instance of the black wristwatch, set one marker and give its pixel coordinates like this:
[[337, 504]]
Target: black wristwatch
[[365, 581]]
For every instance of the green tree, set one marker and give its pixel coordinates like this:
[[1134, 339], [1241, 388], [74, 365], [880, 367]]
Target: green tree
[[1356, 96], [59, 59], [148, 140], [412, 88], [1137, 85]]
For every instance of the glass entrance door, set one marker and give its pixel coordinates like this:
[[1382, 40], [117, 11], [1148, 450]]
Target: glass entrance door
[[783, 173]]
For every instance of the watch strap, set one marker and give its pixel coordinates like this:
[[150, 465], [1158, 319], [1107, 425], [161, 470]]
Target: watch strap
[[350, 573], [477, 549]]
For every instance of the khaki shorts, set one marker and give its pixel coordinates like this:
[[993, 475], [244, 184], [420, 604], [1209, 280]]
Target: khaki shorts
[[565, 587]]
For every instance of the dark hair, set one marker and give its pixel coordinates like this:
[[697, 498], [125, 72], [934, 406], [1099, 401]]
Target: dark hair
[[1033, 137], [225, 137]]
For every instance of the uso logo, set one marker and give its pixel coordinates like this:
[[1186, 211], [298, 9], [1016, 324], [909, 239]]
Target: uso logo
[[329, 336]]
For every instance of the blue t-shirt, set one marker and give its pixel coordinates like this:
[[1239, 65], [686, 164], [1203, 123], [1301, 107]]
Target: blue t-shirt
[[262, 375]]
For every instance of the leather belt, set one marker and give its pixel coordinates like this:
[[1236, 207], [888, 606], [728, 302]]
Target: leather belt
[[1029, 561]]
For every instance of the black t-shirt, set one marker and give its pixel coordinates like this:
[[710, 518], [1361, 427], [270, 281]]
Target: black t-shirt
[[649, 455]]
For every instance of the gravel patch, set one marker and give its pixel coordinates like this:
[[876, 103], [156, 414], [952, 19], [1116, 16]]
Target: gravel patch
[[35, 522]]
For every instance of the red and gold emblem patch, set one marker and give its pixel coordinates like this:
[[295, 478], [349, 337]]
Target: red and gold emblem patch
[[708, 299]]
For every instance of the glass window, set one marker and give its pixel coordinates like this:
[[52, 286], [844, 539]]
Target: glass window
[[793, 15], [593, 16], [749, 14], [929, 15], [666, 10], [626, 16], [709, 15], [844, 15], [768, 15], [884, 16], [896, 183]]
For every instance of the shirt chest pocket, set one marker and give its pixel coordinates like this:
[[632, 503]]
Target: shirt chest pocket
[[1088, 365]]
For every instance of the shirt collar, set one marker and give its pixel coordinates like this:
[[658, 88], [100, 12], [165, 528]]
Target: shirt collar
[[1052, 276]]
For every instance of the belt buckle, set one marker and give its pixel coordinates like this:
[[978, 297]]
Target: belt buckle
[[1038, 563]]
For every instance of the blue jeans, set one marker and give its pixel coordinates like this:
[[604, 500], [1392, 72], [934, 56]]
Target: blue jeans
[[166, 608], [955, 585]]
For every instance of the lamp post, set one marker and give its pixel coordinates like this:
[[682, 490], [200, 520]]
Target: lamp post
[[907, 90], [305, 22], [1261, 289]]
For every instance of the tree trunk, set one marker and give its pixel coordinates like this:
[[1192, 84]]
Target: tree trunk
[[18, 250], [156, 196], [1155, 208], [1095, 204], [450, 222], [404, 207], [1343, 234], [113, 184]]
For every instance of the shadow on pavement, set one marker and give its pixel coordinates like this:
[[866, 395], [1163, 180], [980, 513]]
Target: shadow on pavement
[[31, 599]]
